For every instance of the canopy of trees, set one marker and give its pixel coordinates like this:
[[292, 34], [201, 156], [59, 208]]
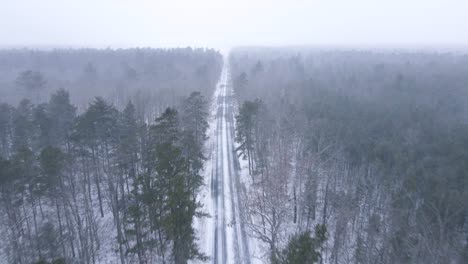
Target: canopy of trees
[[373, 145]]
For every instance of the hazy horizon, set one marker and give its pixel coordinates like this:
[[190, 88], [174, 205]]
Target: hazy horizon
[[223, 24]]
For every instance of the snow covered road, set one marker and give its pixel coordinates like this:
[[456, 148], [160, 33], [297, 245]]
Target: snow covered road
[[228, 240]]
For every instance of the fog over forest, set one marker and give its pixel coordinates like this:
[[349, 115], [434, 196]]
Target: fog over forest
[[233, 132]]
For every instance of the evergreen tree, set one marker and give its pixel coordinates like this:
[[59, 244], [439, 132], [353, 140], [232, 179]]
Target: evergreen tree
[[23, 126], [240, 83], [178, 207], [303, 248], [135, 224], [61, 114], [195, 124], [42, 124], [246, 132], [128, 142], [95, 134]]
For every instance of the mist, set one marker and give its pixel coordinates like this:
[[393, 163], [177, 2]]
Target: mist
[[233, 132], [119, 24]]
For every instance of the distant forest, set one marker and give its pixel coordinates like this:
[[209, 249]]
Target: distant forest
[[372, 145], [151, 78]]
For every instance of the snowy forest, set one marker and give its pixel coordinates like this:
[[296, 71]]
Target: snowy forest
[[233, 132], [254, 156], [112, 178], [371, 145]]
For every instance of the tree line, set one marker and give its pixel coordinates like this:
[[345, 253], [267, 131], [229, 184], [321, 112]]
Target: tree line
[[152, 78]]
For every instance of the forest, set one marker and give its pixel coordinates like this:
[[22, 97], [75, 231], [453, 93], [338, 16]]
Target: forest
[[113, 177], [152, 79], [233, 132], [292, 155], [371, 145]]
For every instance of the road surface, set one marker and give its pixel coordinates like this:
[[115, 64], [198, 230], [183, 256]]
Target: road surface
[[229, 243]]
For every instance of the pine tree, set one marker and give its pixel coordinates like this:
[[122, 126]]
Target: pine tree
[[128, 142], [303, 248], [23, 126], [178, 207], [95, 134], [61, 114], [195, 124], [135, 224], [246, 124], [42, 126]]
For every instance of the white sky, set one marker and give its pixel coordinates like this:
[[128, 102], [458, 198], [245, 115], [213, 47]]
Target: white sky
[[124, 23]]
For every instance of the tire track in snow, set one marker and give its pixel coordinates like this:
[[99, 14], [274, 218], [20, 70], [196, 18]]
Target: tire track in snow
[[230, 241]]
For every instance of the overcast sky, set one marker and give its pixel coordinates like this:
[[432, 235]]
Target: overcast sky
[[120, 23]]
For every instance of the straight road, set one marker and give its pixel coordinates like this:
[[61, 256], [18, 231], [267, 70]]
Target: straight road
[[229, 239]]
